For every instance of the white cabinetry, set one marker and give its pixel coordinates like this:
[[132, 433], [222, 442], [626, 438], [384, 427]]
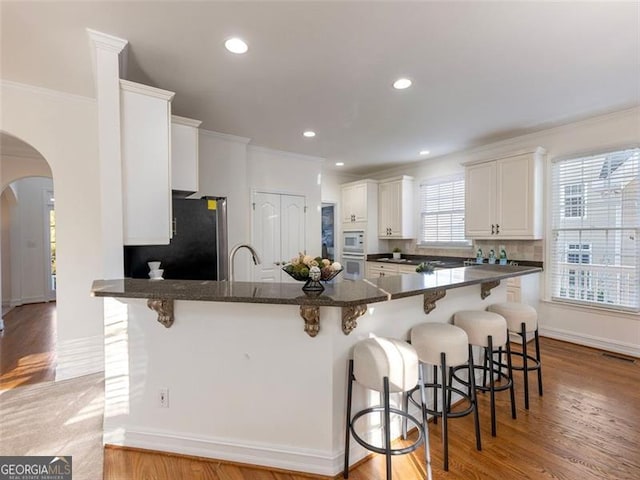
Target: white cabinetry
[[395, 208], [184, 154], [379, 269], [503, 198], [355, 200], [145, 126]]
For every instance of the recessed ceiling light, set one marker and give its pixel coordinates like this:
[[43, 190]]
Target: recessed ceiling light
[[309, 134], [339, 164], [236, 45], [402, 83], [424, 152]]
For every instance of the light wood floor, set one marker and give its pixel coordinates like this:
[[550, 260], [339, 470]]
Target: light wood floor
[[27, 345], [585, 427]]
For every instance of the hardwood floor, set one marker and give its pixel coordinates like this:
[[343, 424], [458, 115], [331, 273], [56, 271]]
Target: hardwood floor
[[585, 427], [27, 345]]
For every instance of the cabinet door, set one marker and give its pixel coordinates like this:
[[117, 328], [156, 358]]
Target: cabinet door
[[387, 206], [359, 202], [515, 202], [184, 154], [145, 124], [480, 200], [347, 204], [375, 269]]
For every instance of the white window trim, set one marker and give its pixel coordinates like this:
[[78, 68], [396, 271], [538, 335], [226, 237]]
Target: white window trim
[[547, 296], [462, 245]]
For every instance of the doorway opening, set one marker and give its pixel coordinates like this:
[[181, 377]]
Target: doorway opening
[[328, 231], [27, 265]]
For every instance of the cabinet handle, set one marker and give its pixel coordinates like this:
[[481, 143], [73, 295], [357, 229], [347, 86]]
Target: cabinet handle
[[492, 229], [497, 229], [174, 227]]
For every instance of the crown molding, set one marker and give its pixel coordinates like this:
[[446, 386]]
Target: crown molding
[[146, 90], [108, 42], [282, 153], [45, 91], [188, 122], [225, 136]]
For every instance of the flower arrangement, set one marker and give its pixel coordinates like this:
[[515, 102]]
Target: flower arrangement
[[305, 267]]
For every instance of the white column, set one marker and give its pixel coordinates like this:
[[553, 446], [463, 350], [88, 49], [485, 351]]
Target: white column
[[108, 50]]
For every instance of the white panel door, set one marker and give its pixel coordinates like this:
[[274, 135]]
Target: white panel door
[[266, 236], [292, 228], [278, 233]]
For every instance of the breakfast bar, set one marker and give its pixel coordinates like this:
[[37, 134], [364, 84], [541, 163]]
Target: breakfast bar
[[256, 372]]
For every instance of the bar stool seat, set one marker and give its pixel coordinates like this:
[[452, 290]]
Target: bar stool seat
[[488, 331], [389, 366], [444, 346], [522, 319]]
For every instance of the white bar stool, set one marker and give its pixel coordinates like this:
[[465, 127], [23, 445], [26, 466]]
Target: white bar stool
[[445, 346], [389, 366], [488, 330], [521, 320]]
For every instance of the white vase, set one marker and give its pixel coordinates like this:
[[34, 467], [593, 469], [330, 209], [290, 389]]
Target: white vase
[[397, 255]]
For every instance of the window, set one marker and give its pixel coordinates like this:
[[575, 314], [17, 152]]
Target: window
[[574, 200], [595, 250], [442, 211]]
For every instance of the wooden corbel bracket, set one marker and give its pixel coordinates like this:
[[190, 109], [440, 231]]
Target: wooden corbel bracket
[[350, 315], [430, 299], [311, 317], [164, 308], [485, 288]]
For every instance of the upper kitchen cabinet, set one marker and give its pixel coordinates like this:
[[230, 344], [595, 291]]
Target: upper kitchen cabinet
[[357, 197], [145, 128], [504, 197], [184, 154], [395, 208]]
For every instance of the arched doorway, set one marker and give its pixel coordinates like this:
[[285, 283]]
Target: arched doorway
[[27, 265]]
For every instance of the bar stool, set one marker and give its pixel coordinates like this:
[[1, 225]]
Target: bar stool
[[445, 346], [488, 330], [389, 366], [521, 320]]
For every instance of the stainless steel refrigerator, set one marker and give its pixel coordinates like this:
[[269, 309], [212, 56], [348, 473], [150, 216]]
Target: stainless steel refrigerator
[[198, 249]]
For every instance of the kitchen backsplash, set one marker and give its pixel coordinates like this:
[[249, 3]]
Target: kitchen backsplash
[[516, 249]]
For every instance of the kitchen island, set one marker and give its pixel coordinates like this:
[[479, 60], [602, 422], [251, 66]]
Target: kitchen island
[[256, 372]]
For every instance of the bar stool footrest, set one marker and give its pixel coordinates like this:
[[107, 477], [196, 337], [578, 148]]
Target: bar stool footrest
[[393, 451]]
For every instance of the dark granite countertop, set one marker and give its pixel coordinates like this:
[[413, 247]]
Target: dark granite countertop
[[440, 261], [339, 294]]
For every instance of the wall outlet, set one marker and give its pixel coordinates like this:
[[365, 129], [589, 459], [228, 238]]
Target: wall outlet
[[163, 398]]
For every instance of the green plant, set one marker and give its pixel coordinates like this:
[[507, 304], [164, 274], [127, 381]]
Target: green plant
[[397, 250], [425, 267]]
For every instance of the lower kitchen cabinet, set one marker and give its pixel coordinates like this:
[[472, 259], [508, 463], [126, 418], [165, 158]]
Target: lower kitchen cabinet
[[379, 269]]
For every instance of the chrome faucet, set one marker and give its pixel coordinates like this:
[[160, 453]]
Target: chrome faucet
[[232, 255]]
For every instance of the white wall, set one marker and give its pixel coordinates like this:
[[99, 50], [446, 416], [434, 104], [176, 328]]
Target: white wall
[[223, 173], [25, 251], [275, 171], [598, 328], [63, 128]]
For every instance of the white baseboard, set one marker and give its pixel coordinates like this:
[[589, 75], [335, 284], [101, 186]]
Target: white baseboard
[[284, 457], [80, 356], [591, 341], [274, 456]]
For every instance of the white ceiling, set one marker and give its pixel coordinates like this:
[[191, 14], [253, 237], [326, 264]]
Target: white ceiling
[[482, 71]]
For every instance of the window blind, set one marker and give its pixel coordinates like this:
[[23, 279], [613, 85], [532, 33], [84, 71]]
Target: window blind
[[442, 211], [595, 252]]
